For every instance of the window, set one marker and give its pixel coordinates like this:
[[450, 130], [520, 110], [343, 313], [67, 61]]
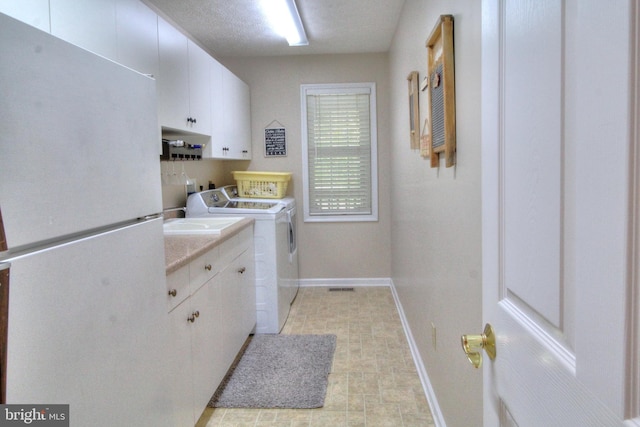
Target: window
[[339, 149]]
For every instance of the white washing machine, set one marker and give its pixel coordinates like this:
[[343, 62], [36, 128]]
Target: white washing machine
[[276, 254]]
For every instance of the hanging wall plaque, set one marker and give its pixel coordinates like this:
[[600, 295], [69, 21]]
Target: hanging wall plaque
[[441, 107], [275, 140]]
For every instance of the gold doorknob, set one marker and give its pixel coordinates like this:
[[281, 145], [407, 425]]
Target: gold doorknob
[[473, 345]]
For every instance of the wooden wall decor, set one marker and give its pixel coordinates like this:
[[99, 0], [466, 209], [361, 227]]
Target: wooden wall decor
[[425, 140], [414, 110], [441, 100]]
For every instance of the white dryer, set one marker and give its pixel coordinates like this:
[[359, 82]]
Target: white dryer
[[276, 256]]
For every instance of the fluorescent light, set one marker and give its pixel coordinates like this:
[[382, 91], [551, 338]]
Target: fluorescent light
[[285, 20]]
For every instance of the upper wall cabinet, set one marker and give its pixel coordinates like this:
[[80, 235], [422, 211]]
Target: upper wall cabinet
[[237, 115], [88, 24], [32, 12], [183, 82], [125, 31], [137, 36], [200, 89], [231, 112], [196, 94]]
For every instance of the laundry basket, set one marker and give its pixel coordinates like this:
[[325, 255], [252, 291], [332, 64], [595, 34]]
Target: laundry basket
[[263, 185]]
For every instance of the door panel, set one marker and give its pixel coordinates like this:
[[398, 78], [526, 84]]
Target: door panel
[[533, 170], [556, 209]]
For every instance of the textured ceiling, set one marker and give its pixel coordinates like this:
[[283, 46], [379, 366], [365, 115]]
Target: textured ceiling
[[238, 28]]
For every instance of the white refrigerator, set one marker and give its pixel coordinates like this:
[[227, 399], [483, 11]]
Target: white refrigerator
[[80, 200]]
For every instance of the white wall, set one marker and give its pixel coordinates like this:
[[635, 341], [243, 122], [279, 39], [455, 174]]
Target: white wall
[[202, 171], [326, 250], [428, 236], [436, 228]]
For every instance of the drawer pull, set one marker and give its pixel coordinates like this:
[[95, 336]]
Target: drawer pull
[[173, 292], [242, 270], [207, 267], [193, 316]]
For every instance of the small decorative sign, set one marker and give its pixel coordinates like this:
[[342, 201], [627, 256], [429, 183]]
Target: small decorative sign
[[275, 141]]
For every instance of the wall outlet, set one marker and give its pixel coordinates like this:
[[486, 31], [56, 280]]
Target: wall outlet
[[433, 336]]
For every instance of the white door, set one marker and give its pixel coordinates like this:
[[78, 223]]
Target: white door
[[559, 263]]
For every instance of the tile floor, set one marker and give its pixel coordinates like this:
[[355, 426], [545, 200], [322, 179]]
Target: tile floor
[[373, 381]]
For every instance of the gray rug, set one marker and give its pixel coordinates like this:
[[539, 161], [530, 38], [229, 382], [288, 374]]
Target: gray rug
[[279, 371]]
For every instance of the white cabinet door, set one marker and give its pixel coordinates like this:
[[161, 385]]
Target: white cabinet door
[[124, 31], [199, 90], [231, 116], [88, 24], [196, 368], [173, 77], [184, 84], [556, 213], [181, 370], [32, 12], [246, 267], [137, 36], [239, 311], [206, 330], [237, 116], [215, 149], [229, 315]]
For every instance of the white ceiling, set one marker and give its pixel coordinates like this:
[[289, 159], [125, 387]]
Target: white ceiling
[[238, 28]]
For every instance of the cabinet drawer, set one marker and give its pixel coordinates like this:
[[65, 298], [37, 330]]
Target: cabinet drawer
[[177, 287], [245, 238], [204, 268], [233, 247]]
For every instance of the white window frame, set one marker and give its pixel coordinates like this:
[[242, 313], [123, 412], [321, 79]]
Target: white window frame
[[369, 88]]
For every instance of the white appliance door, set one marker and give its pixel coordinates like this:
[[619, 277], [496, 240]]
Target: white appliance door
[[282, 262], [87, 327], [78, 142], [556, 213], [292, 269]]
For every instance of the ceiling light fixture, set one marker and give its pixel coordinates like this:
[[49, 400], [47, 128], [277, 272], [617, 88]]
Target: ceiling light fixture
[[285, 20]]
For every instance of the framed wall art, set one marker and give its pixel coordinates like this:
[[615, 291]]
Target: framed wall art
[[441, 100]]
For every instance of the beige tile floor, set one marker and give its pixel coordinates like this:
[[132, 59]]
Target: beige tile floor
[[373, 381]]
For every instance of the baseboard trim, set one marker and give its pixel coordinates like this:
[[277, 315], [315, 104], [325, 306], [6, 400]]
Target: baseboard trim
[[438, 417], [436, 413], [374, 281]]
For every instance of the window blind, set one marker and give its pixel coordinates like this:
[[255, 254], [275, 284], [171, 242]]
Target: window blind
[[339, 152]]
